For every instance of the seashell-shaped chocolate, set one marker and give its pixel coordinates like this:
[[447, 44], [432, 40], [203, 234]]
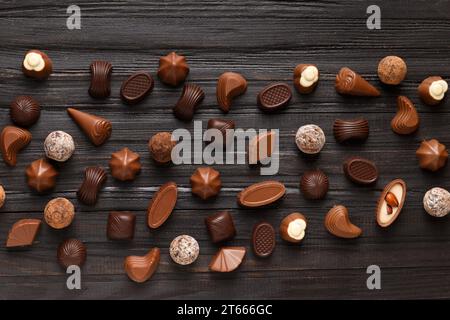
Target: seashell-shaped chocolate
[[125, 164], [100, 79], [23, 233], [436, 202], [351, 130], [24, 111], [348, 82], [94, 178], [71, 252], [136, 87], [12, 140], [387, 211], [97, 129], [205, 182], [190, 99], [314, 184], [432, 155], [162, 205], [261, 194], [229, 86], [406, 121], [263, 239], [274, 97], [120, 225], [41, 175], [227, 259], [37, 64], [337, 222], [360, 170], [173, 69], [141, 268]]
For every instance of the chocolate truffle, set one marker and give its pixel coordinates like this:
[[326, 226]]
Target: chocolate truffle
[[220, 226], [173, 69], [59, 146], [432, 90], [160, 146], [37, 64], [310, 139], [12, 140], [293, 227], [97, 129], [94, 178], [314, 184], [24, 111], [184, 250], [59, 213], [23, 233], [2, 196], [392, 70], [125, 164], [205, 182], [436, 202], [229, 86], [306, 77], [121, 225], [191, 97], [41, 175], [432, 155], [71, 252]]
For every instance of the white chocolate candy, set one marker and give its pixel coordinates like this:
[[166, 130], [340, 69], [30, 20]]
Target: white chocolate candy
[[296, 229], [438, 89], [436, 202], [310, 139], [309, 76], [34, 62]]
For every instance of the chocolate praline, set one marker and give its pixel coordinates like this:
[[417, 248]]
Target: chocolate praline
[[59, 213], [59, 146], [160, 146], [125, 164], [71, 252], [314, 184], [24, 111], [41, 175]]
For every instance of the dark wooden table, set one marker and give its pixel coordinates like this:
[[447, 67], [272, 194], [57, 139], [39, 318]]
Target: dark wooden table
[[263, 40]]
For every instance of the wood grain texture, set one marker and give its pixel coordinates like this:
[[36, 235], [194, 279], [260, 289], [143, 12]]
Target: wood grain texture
[[263, 40]]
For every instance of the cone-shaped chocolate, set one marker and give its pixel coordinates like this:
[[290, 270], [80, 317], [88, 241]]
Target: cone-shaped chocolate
[[96, 128], [350, 83]]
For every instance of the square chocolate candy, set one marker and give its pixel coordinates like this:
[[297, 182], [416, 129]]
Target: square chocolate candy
[[220, 226], [121, 225]]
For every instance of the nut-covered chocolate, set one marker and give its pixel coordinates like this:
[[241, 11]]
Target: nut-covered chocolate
[[392, 70], [432, 90], [348, 82], [274, 97], [360, 170], [160, 147], [220, 226], [391, 202], [59, 146], [351, 130], [141, 268], [59, 213], [121, 225], [94, 178], [229, 86], [227, 259], [96, 128], [162, 205], [263, 239], [306, 78], [338, 223], [293, 227], [36, 64], [432, 155], [41, 175], [184, 250], [125, 164], [191, 97], [314, 184], [436, 202], [136, 87], [100, 79], [24, 111], [12, 140], [406, 121], [261, 194], [205, 182], [173, 69], [310, 139], [23, 233], [71, 252]]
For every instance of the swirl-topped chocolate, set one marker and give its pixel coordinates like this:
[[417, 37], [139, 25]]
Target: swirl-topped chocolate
[[406, 121], [348, 82], [97, 129]]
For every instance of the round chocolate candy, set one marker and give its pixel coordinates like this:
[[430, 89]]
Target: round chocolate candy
[[59, 213], [24, 111], [184, 250], [71, 252], [314, 184], [59, 146]]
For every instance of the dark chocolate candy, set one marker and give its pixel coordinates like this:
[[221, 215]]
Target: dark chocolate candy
[[121, 225], [220, 226], [37, 64], [71, 252], [274, 97], [350, 130], [190, 99], [100, 79], [136, 87], [94, 178], [263, 239], [222, 125], [314, 184], [361, 171], [24, 111]]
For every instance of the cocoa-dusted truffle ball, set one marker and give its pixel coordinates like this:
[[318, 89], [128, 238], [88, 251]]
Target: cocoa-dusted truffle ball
[[392, 70], [24, 111], [437, 202], [59, 213], [184, 250], [310, 139], [160, 146], [59, 146]]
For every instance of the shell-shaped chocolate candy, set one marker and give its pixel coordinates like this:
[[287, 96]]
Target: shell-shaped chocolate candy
[[338, 223], [136, 87], [261, 194], [24, 111], [360, 170], [71, 252], [190, 99], [314, 184], [12, 140], [350, 130], [23, 233], [141, 268], [162, 205], [41, 175], [274, 97], [263, 239], [229, 86], [94, 178], [100, 79], [406, 121], [97, 129], [348, 82], [227, 259]]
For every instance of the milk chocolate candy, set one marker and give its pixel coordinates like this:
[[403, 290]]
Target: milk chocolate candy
[[432, 90], [136, 87], [220, 226], [41, 175], [223, 125], [24, 111], [97, 129], [432, 155], [160, 146], [205, 182], [125, 164], [190, 99], [59, 213], [392, 70], [306, 77], [360, 170], [23, 233], [141, 268], [261, 194], [37, 64], [71, 252], [274, 97], [293, 227], [261, 147], [227, 259], [263, 239], [351, 130], [406, 121], [100, 79], [338, 223], [348, 82], [391, 202], [173, 69], [162, 205], [229, 86], [94, 178], [12, 140], [121, 225], [314, 184], [2, 196]]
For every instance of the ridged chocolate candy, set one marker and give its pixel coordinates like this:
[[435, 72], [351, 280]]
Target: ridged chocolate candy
[[125, 164], [173, 69], [23, 233], [406, 121], [274, 97], [432, 155], [94, 178], [229, 86], [100, 79], [350, 130], [24, 111], [71, 252], [227, 259], [141, 268], [190, 99], [314, 184], [348, 82], [97, 129], [12, 140], [222, 125], [337, 222], [41, 175], [121, 225], [136, 87], [205, 182], [263, 239], [220, 226], [360, 170]]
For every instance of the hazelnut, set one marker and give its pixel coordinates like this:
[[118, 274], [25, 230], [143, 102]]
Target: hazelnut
[[392, 70], [2, 196], [292, 228], [391, 200], [160, 146], [59, 213]]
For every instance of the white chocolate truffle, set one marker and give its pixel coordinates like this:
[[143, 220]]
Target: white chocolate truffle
[[309, 76], [438, 89], [184, 250], [310, 139], [436, 202], [59, 146]]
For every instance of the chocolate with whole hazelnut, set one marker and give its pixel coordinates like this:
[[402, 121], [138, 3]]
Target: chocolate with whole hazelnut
[[306, 77], [432, 90], [293, 227], [36, 64]]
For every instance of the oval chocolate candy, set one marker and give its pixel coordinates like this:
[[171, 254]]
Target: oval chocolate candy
[[162, 205], [274, 97], [263, 239], [391, 202], [261, 194], [360, 170], [136, 87]]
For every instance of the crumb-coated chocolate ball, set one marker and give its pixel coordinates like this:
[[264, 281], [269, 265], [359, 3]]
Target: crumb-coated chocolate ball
[[59, 146], [314, 184], [59, 213], [436, 202], [392, 70], [160, 146], [184, 250], [71, 252], [310, 139], [24, 111]]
